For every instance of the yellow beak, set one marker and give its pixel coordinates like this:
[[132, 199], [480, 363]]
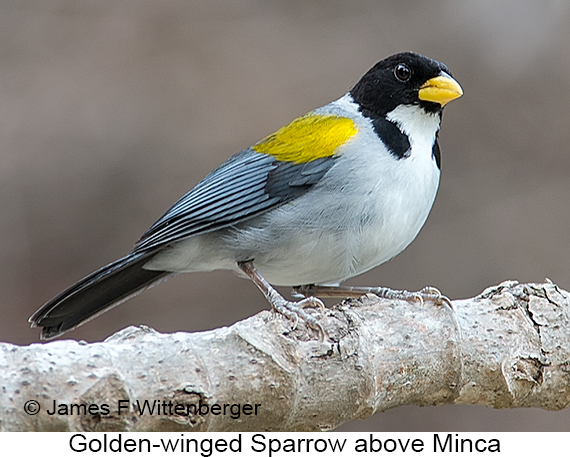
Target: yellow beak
[[441, 89]]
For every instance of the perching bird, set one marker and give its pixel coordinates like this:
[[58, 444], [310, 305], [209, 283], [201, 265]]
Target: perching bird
[[331, 195]]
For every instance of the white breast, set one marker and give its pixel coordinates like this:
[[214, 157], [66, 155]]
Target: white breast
[[406, 190]]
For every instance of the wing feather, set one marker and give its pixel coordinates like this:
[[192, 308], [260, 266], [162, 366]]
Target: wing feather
[[245, 185]]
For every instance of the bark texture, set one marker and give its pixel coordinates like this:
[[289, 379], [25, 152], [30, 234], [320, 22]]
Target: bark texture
[[508, 347]]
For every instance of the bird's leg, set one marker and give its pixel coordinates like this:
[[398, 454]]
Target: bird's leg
[[291, 310], [426, 294]]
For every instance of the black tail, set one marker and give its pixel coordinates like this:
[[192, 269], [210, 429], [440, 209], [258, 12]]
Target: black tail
[[95, 294]]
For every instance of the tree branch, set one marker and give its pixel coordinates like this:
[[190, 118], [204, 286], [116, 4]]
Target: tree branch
[[508, 347]]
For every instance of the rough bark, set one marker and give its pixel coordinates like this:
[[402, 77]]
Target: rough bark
[[508, 347]]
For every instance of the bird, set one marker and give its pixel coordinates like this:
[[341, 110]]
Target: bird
[[333, 194]]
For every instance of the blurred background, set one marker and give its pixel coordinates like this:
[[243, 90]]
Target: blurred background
[[111, 110]]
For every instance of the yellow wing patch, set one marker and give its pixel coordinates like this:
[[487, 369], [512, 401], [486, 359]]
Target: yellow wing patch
[[307, 138]]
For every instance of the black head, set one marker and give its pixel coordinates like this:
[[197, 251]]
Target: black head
[[405, 78]]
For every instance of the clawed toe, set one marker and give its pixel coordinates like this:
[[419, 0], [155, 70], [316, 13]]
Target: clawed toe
[[296, 311], [312, 302], [432, 294]]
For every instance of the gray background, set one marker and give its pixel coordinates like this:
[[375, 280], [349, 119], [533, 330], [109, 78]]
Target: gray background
[[111, 110]]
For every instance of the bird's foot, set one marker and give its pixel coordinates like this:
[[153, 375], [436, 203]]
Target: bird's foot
[[426, 294], [296, 310], [291, 310]]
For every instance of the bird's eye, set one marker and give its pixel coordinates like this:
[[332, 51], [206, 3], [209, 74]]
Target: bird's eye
[[402, 72]]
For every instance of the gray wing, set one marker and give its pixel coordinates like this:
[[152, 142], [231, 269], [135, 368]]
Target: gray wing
[[245, 185]]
